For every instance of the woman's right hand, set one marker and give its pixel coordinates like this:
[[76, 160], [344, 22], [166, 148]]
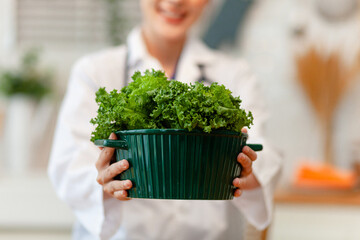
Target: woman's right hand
[[107, 172]]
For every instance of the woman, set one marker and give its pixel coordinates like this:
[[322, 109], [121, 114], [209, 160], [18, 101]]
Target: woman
[[82, 174]]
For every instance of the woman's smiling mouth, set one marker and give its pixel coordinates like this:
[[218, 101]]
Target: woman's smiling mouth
[[171, 16]]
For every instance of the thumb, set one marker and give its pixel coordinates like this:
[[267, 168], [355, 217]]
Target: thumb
[[113, 136]]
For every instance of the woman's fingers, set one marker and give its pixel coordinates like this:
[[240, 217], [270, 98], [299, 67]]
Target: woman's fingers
[[117, 189], [116, 186], [105, 155], [112, 171], [250, 153], [245, 158], [246, 183], [237, 192], [107, 172], [241, 183], [121, 195], [246, 164], [248, 179]]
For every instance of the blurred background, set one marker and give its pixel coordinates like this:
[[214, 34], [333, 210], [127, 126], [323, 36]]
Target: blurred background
[[305, 53]]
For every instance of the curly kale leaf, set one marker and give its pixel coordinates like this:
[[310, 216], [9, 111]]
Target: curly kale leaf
[[209, 108], [151, 101], [165, 112]]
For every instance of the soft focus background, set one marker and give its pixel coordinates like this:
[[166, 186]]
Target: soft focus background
[[305, 54]]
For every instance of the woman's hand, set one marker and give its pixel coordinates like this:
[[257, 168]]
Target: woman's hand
[[106, 173], [247, 179]]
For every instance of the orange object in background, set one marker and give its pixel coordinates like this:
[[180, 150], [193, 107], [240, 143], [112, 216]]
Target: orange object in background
[[324, 176]]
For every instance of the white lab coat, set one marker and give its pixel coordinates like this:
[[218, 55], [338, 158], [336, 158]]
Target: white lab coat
[[72, 164]]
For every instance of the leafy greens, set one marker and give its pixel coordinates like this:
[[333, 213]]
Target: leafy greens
[[152, 101]]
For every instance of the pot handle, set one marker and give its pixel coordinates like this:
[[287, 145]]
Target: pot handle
[[255, 147], [112, 143]]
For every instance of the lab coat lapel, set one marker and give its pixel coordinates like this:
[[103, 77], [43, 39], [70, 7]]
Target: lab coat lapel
[[139, 59], [194, 53]]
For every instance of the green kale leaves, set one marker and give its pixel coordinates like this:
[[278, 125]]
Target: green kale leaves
[[152, 101]]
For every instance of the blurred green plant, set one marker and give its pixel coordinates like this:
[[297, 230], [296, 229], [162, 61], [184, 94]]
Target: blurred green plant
[[28, 79]]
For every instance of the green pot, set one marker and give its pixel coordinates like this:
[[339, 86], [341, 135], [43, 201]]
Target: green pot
[[178, 164]]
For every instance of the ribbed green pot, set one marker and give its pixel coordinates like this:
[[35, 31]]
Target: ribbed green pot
[[178, 164]]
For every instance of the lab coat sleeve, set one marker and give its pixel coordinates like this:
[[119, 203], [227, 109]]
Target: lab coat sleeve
[[257, 204], [72, 168]]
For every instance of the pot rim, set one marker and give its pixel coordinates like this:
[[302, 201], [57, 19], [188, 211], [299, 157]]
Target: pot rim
[[172, 131]]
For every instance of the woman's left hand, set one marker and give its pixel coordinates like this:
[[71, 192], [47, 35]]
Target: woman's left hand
[[247, 180]]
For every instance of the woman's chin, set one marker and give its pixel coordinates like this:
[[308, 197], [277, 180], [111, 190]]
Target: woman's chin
[[172, 34]]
